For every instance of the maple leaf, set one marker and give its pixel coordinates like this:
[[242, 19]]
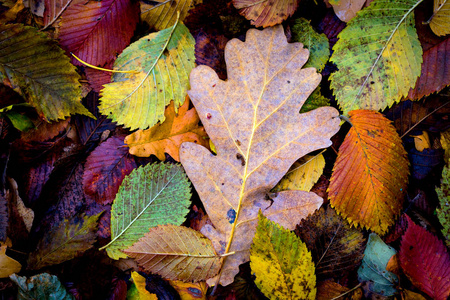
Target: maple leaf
[[168, 136], [35, 67], [425, 261], [281, 262], [253, 121], [377, 69], [370, 173], [264, 12], [89, 29]]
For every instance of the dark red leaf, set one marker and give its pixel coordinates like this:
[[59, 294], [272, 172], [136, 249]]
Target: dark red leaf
[[3, 217], [96, 31], [331, 26], [99, 78], [425, 261], [37, 177], [209, 51], [435, 71], [118, 290], [105, 169]]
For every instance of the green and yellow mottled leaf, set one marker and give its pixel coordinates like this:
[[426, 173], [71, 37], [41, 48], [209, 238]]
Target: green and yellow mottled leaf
[[163, 14], [176, 252], [440, 21], [164, 60], [152, 195], [35, 67], [443, 212], [317, 44], [281, 262], [378, 55], [137, 291], [303, 174]]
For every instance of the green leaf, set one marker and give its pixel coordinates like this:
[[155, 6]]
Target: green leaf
[[71, 238], [19, 121], [378, 55], [443, 212], [315, 100], [41, 286], [156, 194], [35, 67], [317, 44], [163, 60], [281, 262], [163, 15], [373, 267]]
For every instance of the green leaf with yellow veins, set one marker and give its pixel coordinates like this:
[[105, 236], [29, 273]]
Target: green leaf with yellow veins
[[443, 212], [303, 174], [378, 55], [163, 61], [281, 262], [317, 44]]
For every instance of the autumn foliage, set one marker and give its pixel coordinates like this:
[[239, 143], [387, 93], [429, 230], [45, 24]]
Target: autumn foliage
[[229, 149]]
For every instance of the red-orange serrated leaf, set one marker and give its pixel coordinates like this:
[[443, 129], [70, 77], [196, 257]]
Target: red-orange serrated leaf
[[370, 173], [266, 12], [97, 31], [105, 169], [435, 73], [425, 261]]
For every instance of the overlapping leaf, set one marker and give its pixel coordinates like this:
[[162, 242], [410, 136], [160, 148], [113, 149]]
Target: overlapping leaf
[[8, 265], [176, 252], [53, 10], [91, 31], [41, 286], [138, 291], [164, 60], [373, 267], [435, 73], [4, 217], [35, 67], [303, 174], [346, 10], [425, 261], [151, 195], [377, 69], [105, 168], [162, 14], [370, 173], [168, 136], [253, 121], [281, 262], [440, 22], [335, 246], [71, 238], [264, 12]]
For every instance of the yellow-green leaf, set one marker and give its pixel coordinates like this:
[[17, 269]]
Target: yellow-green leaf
[[281, 262], [176, 252], [440, 22], [138, 291], [35, 67], [164, 60], [162, 14], [443, 212], [303, 174], [378, 55]]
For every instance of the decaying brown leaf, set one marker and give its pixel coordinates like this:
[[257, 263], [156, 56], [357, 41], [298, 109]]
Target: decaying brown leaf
[[253, 121]]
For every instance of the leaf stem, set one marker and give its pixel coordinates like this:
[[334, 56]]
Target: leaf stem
[[349, 291], [101, 69]]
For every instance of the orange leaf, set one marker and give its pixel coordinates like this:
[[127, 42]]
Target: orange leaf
[[370, 173], [266, 13], [168, 136]]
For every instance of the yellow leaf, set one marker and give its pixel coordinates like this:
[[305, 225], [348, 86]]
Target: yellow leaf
[[139, 282], [303, 174], [422, 141], [168, 136], [281, 262], [162, 15], [8, 266], [445, 142], [189, 290], [253, 121], [440, 21]]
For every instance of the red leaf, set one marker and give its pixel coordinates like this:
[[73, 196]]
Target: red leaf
[[105, 169], [425, 261], [435, 71], [97, 78], [96, 31]]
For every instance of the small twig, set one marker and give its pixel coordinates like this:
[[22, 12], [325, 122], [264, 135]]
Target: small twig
[[349, 291], [412, 127]]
